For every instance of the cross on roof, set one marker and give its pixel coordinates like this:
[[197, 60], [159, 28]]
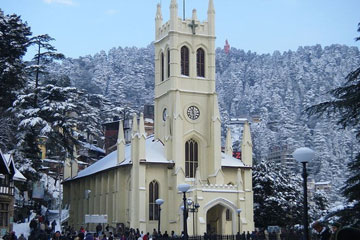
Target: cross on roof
[[193, 26]]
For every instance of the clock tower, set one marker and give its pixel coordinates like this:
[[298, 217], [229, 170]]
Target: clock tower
[[187, 119]]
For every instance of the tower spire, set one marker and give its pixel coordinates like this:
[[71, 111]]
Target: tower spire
[[120, 144], [228, 147], [246, 145], [211, 17], [142, 138], [173, 14]]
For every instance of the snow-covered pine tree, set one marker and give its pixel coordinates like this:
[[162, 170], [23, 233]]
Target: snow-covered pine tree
[[277, 199], [46, 53], [14, 39]]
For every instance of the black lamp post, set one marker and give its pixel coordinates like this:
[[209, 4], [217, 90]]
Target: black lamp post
[[184, 188], [304, 155], [159, 202], [238, 212], [193, 207]]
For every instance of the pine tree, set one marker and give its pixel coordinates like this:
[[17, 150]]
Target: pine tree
[[277, 199], [46, 53], [14, 39], [346, 108]]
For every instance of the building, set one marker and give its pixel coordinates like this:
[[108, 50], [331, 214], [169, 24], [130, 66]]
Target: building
[[185, 148], [282, 155], [8, 174]]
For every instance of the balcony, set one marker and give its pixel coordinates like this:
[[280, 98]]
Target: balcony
[[6, 190]]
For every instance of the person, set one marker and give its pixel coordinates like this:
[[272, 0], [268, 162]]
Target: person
[[323, 233], [53, 224], [98, 229], [57, 236], [89, 236], [22, 237], [33, 224], [110, 236], [335, 227], [13, 236], [104, 237]]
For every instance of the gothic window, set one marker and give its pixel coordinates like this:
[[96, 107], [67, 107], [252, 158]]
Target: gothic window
[[191, 158], [228, 215], [168, 63], [200, 62], [153, 195], [185, 61], [162, 66]]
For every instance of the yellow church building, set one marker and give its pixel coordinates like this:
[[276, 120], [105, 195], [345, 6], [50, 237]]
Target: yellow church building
[[185, 148]]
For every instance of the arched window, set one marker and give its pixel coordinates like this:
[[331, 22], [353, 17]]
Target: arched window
[[191, 158], [153, 195], [185, 61], [162, 66], [168, 63], [200, 62], [228, 215]]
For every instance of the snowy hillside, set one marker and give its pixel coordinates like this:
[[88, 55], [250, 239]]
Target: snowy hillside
[[276, 87]]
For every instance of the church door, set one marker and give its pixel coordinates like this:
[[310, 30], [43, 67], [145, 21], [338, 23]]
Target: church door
[[214, 219]]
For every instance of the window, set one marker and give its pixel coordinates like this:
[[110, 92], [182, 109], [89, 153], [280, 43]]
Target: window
[[191, 158], [185, 61], [162, 66], [228, 215], [4, 214], [200, 62], [168, 63], [153, 195]]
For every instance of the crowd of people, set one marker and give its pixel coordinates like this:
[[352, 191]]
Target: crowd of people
[[42, 229]]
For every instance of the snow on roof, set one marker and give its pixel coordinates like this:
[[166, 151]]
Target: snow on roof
[[18, 176], [51, 160], [154, 154], [323, 183], [92, 147], [229, 161], [154, 151]]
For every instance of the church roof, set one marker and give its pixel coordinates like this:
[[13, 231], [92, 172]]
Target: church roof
[[154, 154], [230, 161]]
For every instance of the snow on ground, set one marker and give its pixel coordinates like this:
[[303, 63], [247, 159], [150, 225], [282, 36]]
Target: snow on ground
[[23, 228]]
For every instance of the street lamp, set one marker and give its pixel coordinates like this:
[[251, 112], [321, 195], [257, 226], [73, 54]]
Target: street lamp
[[184, 188], [159, 202], [238, 212], [304, 155], [193, 207]]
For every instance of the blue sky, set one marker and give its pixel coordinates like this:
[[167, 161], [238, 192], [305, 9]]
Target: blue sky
[[83, 27]]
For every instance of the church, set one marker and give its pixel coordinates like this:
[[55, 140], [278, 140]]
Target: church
[[184, 149]]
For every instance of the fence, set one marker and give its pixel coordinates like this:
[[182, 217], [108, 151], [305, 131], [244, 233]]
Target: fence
[[253, 236]]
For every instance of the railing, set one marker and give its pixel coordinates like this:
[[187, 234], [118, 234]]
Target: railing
[[254, 236], [7, 190]]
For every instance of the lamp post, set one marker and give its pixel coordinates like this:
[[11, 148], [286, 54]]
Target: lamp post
[[238, 212], [193, 207], [184, 188], [159, 202], [304, 155]]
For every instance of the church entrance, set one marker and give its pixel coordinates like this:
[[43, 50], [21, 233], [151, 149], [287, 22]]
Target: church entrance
[[214, 219]]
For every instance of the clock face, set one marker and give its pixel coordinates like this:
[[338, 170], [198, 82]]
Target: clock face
[[164, 114], [193, 112]]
